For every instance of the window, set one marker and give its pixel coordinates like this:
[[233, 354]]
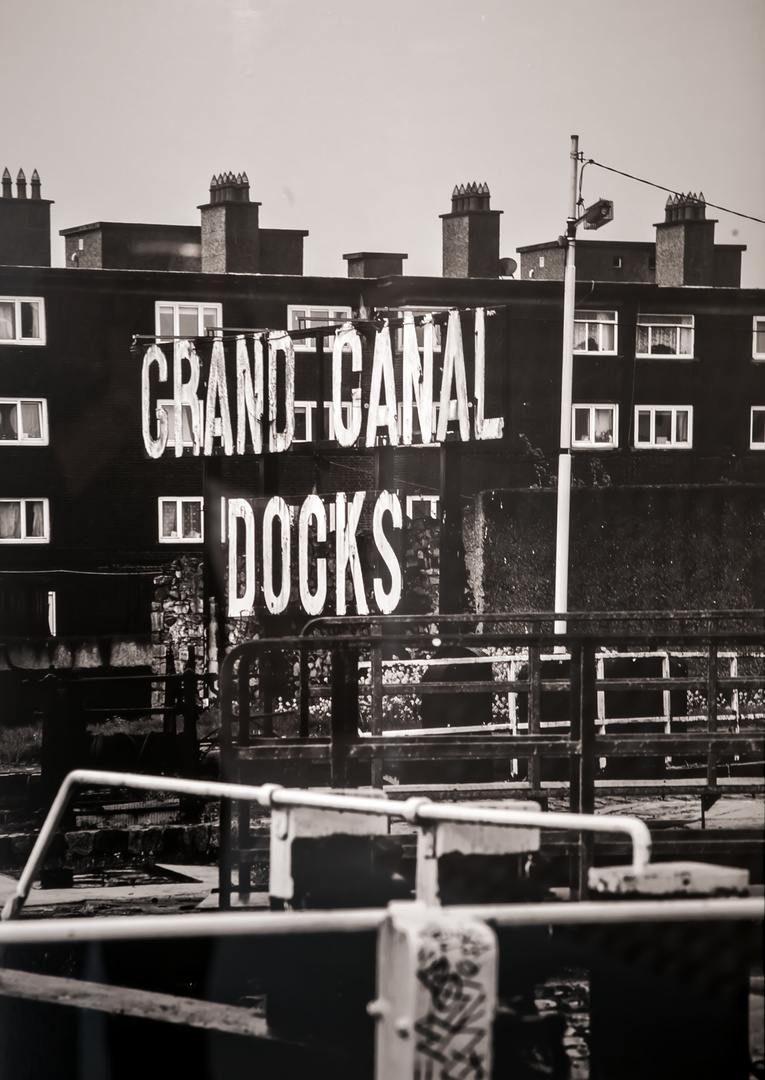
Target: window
[[24, 521], [169, 408], [664, 335], [418, 313], [419, 506], [22, 320], [304, 411], [617, 262], [187, 320], [303, 318], [180, 520], [758, 337], [664, 426], [541, 260], [595, 331], [23, 420], [757, 428], [594, 425]]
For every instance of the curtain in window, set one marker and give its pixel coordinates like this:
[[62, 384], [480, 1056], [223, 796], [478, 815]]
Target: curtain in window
[[581, 425], [31, 424], [663, 339], [169, 519], [681, 427], [35, 519], [10, 521], [30, 320], [192, 521], [7, 320], [9, 430], [604, 425]]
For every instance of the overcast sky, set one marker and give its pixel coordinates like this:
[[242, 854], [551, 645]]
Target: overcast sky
[[354, 119]]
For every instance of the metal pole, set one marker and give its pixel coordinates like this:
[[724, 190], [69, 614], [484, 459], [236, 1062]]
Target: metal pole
[[263, 923], [566, 393]]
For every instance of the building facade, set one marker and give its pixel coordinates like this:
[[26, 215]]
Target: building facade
[[115, 554]]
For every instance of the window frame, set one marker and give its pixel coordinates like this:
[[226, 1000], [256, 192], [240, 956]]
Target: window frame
[[597, 323], [20, 440], [45, 538], [672, 444], [642, 321], [580, 444], [176, 305], [752, 444], [18, 301], [757, 354], [168, 406], [179, 500], [309, 344], [439, 333]]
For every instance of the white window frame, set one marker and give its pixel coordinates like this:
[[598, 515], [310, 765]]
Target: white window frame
[[644, 320], [18, 301], [200, 305], [316, 315], [673, 444], [758, 320], [179, 503], [21, 439], [23, 539], [168, 406], [589, 444], [432, 500], [439, 330], [591, 323], [752, 444]]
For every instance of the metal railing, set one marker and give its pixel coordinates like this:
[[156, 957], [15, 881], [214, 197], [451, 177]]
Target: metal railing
[[415, 811]]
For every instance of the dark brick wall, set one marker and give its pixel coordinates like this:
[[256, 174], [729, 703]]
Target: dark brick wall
[[24, 232], [638, 548]]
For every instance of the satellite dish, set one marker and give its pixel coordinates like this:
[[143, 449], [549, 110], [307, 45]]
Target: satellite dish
[[507, 267]]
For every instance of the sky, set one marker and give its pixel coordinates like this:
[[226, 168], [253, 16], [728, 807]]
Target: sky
[[354, 119]]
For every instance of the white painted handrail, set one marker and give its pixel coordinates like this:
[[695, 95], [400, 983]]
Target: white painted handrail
[[416, 810], [263, 923]]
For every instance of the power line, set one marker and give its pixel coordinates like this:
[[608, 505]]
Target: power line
[[650, 183]]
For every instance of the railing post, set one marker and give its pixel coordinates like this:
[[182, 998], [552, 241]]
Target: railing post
[[583, 704], [436, 995], [376, 706], [533, 767], [712, 712], [304, 693], [345, 711]]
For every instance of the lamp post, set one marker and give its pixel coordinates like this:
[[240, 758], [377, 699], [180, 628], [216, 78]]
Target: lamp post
[[599, 214]]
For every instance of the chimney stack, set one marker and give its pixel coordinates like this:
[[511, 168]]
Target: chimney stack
[[230, 227], [685, 243], [471, 234], [24, 222]]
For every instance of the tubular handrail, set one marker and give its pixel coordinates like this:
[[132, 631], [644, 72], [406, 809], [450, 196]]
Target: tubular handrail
[[417, 810], [263, 923]]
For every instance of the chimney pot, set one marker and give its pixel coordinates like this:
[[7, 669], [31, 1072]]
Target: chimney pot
[[7, 184], [35, 184], [21, 185]]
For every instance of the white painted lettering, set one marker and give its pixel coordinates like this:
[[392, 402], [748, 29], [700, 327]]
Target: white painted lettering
[[347, 552], [382, 377], [155, 447], [240, 509], [314, 508], [387, 503], [346, 435]]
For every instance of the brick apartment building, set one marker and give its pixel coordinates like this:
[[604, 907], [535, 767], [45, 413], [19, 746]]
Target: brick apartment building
[[109, 556]]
